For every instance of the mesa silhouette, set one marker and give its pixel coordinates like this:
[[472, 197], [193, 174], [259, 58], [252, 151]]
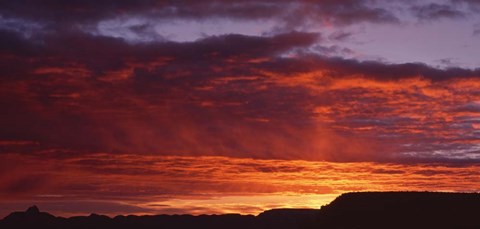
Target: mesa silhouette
[[350, 210]]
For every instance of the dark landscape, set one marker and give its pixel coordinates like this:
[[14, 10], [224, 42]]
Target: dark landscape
[[350, 210]]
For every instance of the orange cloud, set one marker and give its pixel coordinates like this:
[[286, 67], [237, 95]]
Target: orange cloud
[[236, 96], [173, 184]]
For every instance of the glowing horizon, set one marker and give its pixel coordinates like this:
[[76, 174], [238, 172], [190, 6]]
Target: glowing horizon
[[128, 184]]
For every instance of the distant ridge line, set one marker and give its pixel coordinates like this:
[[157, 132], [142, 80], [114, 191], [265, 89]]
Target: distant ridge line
[[350, 210]]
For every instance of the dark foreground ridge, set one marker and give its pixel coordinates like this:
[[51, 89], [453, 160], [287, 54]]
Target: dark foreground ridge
[[351, 210]]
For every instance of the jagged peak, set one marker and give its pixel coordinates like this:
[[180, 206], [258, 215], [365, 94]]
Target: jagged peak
[[33, 210]]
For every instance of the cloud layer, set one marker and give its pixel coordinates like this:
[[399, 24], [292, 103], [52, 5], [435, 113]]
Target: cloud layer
[[232, 95], [126, 184]]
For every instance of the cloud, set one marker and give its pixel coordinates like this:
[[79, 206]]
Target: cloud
[[340, 35], [473, 5], [386, 71], [108, 184], [120, 122], [469, 107], [434, 11], [476, 29], [149, 21], [285, 13], [278, 96]]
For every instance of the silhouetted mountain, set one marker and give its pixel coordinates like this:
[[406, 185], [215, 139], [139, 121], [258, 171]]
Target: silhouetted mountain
[[277, 218], [402, 210], [31, 218], [351, 210], [287, 218]]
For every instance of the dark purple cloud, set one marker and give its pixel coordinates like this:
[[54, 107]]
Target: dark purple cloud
[[434, 11], [232, 94], [63, 13]]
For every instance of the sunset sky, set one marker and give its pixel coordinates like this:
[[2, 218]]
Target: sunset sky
[[220, 106]]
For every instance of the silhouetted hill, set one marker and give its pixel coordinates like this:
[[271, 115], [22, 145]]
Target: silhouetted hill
[[402, 210], [351, 210], [277, 218]]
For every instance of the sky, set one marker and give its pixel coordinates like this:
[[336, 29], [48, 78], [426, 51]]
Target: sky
[[221, 106]]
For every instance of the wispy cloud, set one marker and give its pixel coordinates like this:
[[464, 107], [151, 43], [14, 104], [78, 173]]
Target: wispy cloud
[[114, 184]]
